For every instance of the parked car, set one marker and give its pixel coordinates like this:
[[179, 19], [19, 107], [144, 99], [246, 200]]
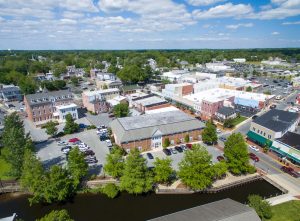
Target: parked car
[[108, 143], [254, 117], [167, 152], [254, 148], [89, 152], [62, 143], [273, 106], [188, 145], [290, 171], [103, 137], [220, 158], [253, 157], [223, 139], [174, 151], [150, 156], [218, 130], [74, 140], [179, 149], [65, 148], [183, 147]]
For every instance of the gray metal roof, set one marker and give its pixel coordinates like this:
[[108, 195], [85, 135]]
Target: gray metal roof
[[145, 126], [277, 120], [227, 111], [222, 210], [38, 98]]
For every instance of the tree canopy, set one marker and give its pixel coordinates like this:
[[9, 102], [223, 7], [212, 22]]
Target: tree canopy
[[262, 207], [121, 110], [209, 134], [70, 126], [114, 163], [163, 170], [56, 215], [132, 74]]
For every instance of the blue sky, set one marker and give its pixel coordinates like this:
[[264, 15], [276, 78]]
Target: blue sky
[[148, 24]]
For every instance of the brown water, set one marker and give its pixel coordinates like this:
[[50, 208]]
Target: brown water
[[89, 207]]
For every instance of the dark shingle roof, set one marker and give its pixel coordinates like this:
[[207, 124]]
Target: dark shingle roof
[[291, 139], [222, 210], [277, 120], [38, 98], [227, 111]]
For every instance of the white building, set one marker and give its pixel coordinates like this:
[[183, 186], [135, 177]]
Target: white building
[[239, 60], [177, 90], [174, 75], [205, 85], [63, 110], [219, 66]]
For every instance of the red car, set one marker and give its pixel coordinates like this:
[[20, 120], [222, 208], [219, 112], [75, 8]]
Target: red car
[[188, 145], [220, 158], [290, 171], [74, 140], [253, 157]]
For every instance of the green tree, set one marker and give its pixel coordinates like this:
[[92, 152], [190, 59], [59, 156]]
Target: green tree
[[228, 123], [70, 126], [236, 154], [77, 166], [131, 74], [59, 68], [27, 85], [112, 69], [220, 169], [59, 84], [56, 215], [114, 163], [121, 110], [209, 134], [162, 170], [136, 178], [51, 128], [15, 143], [249, 89], [33, 177], [74, 81], [262, 207], [195, 169], [166, 142], [110, 190], [186, 138]]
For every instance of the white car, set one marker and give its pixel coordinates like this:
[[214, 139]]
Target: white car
[[65, 151], [62, 143], [254, 148], [218, 131]]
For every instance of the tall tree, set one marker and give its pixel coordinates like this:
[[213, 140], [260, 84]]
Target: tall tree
[[236, 154], [77, 166], [195, 169], [70, 126], [114, 163], [162, 170], [51, 128], [15, 143], [132, 74], [136, 178], [209, 134], [121, 110], [262, 207], [56, 215]]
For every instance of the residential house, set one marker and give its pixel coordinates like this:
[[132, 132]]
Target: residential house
[[147, 132], [272, 125], [10, 93], [225, 113]]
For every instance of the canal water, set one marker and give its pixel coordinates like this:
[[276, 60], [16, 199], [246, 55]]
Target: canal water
[[90, 207]]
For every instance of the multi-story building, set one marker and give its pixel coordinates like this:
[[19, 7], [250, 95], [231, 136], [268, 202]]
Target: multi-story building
[[42, 107], [102, 76], [73, 71], [177, 90], [288, 146], [147, 132], [272, 125], [96, 101], [10, 93], [108, 84], [149, 102]]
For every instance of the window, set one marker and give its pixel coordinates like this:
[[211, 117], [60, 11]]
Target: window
[[264, 134], [258, 131], [253, 129], [269, 136]]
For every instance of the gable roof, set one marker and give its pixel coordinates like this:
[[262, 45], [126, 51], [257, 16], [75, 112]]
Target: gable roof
[[291, 139], [222, 210], [277, 120], [227, 111], [144, 126]]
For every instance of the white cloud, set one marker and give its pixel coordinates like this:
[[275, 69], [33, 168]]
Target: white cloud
[[203, 2], [275, 33], [72, 15], [224, 11], [236, 26], [291, 23]]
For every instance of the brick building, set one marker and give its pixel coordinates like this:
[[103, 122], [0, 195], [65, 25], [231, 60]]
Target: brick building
[[149, 102], [43, 107], [147, 132]]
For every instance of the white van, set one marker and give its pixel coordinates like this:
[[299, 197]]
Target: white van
[[278, 97]]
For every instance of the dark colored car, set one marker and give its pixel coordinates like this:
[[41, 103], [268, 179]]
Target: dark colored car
[[273, 106], [220, 158], [290, 171], [103, 138], [167, 152], [223, 139], [150, 156], [253, 157], [89, 152], [179, 149], [188, 145], [254, 117]]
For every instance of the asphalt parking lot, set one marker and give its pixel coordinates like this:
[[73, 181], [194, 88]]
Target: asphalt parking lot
[[50, 153], [176, 158]]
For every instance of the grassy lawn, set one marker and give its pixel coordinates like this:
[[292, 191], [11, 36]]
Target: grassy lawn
[[4, 168], [238, 120], [289, 211]]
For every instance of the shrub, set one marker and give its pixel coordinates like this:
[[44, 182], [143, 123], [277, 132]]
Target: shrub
[[110, 190], [166, 142]]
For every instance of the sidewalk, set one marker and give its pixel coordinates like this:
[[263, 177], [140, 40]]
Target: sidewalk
[[281, 199]]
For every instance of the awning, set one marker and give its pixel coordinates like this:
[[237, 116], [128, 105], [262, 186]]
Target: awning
[[285, 154], [257, 138]]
